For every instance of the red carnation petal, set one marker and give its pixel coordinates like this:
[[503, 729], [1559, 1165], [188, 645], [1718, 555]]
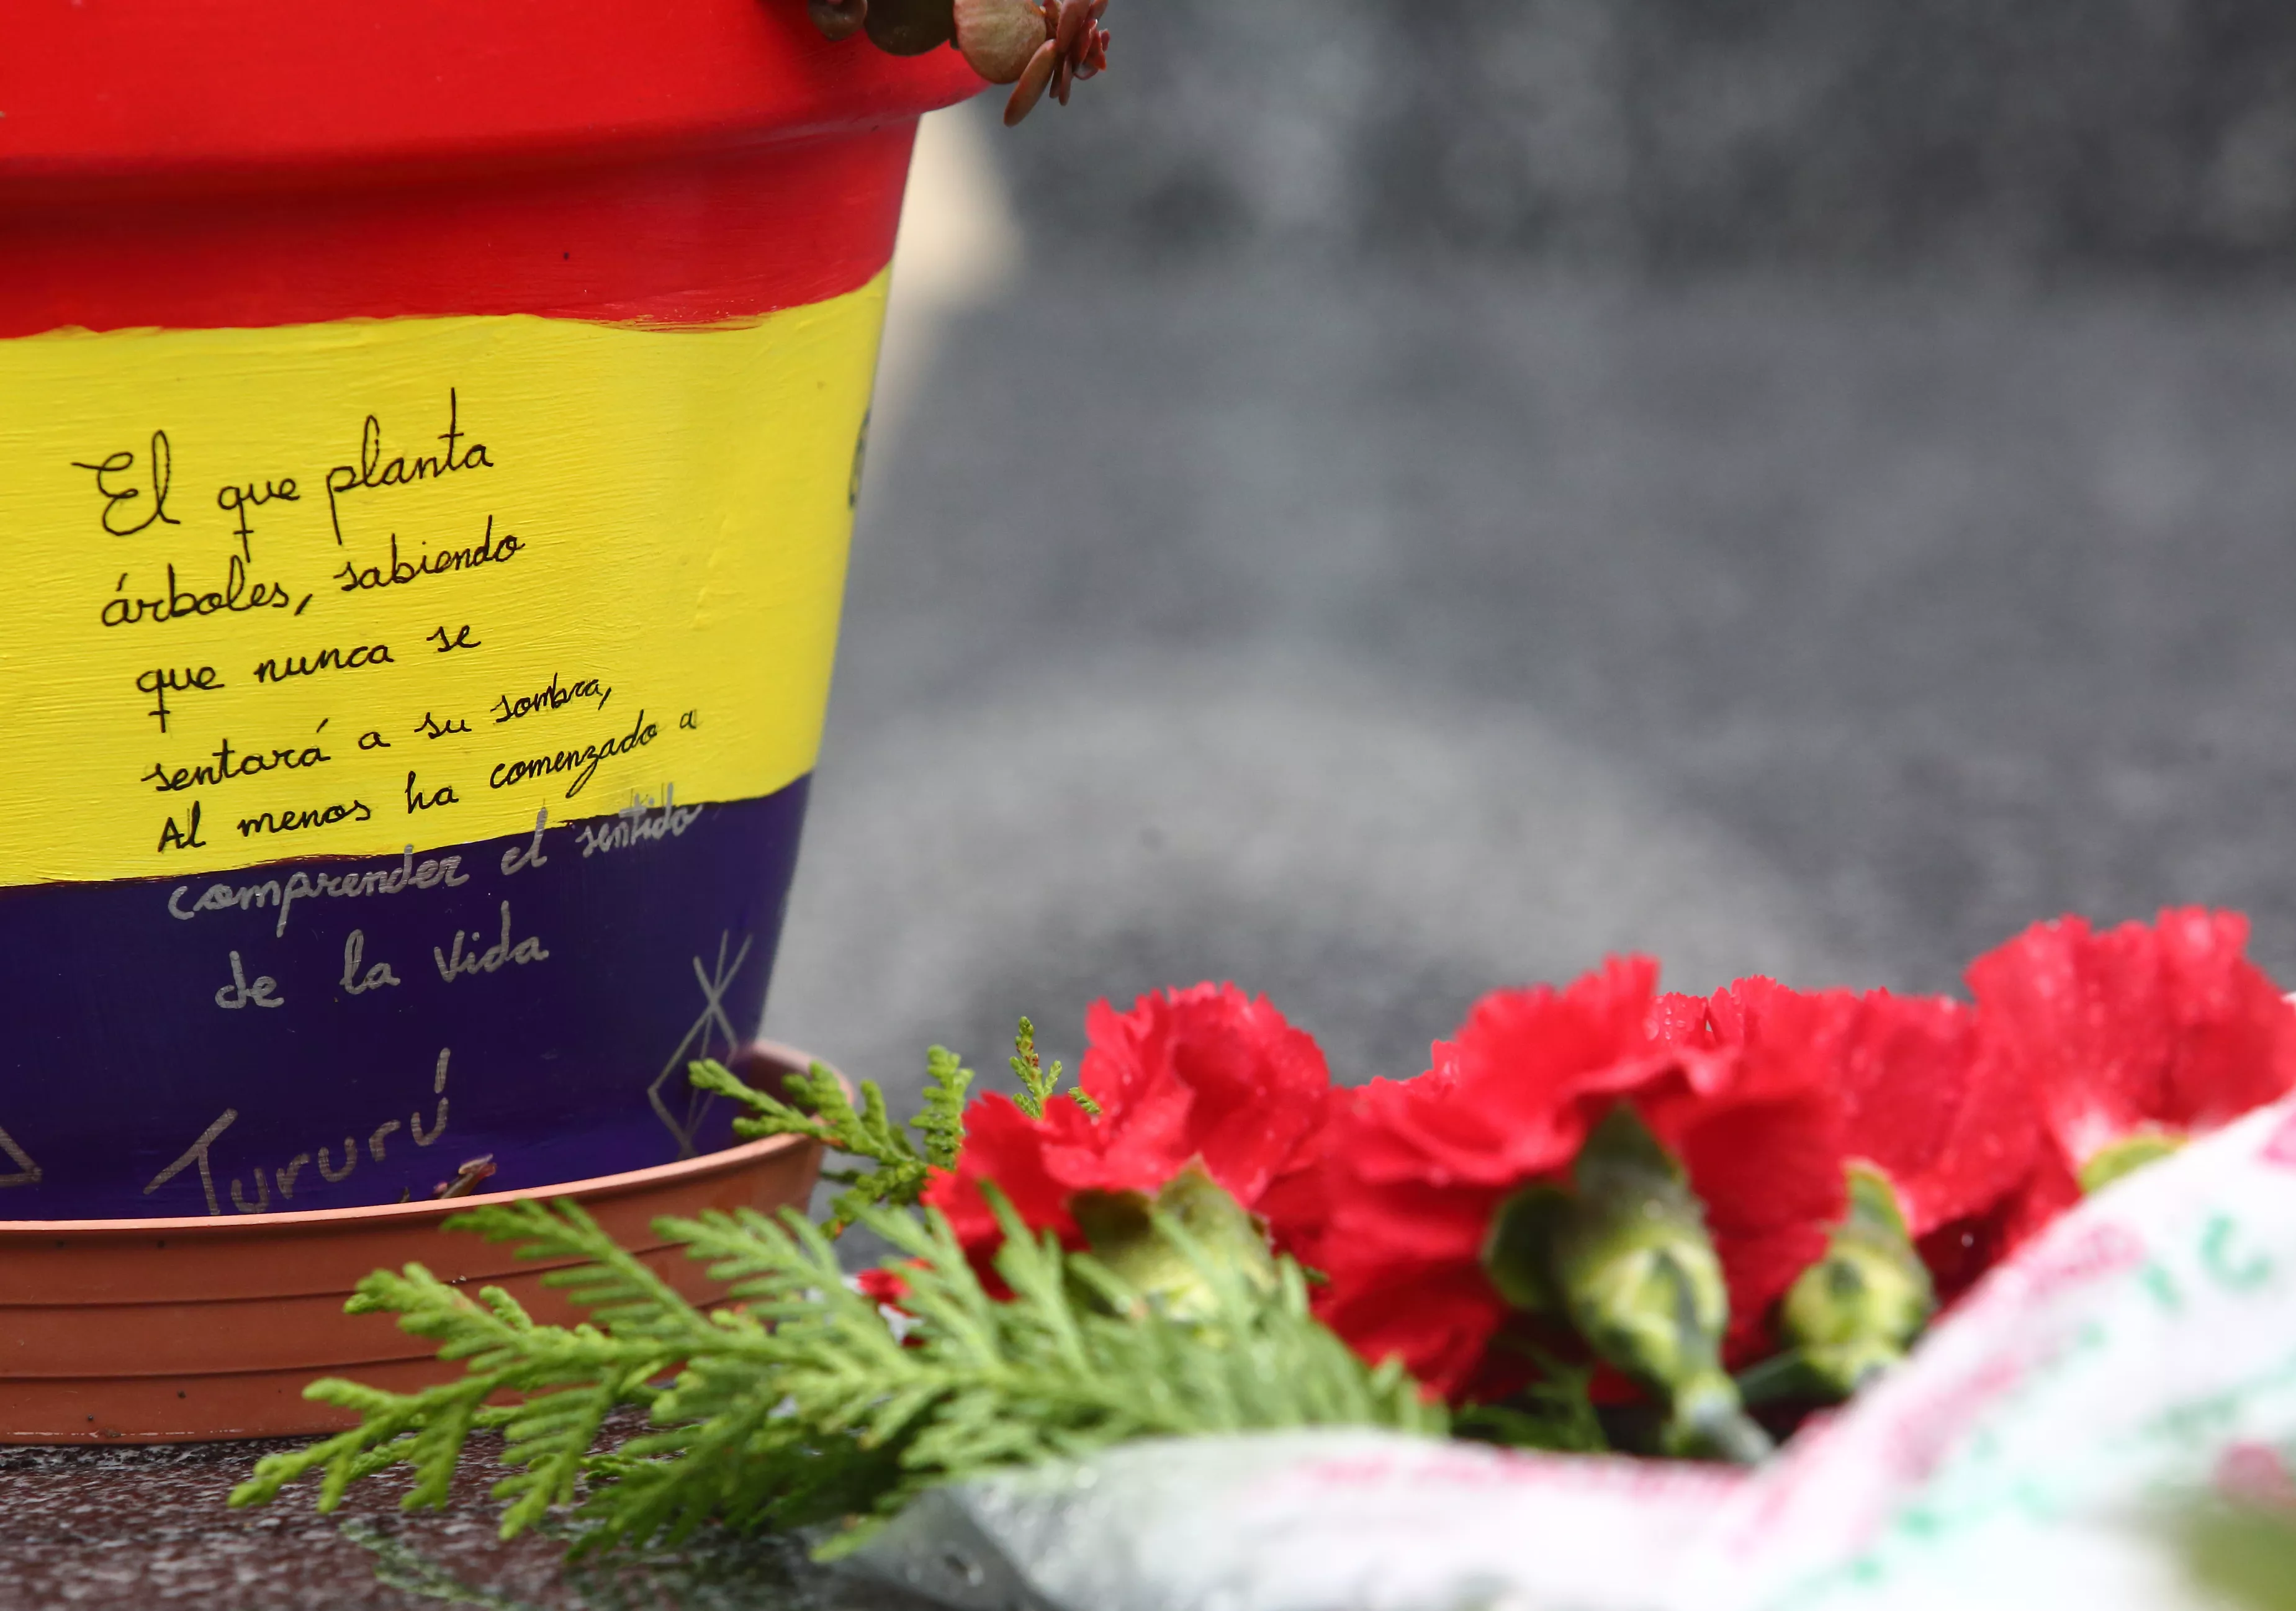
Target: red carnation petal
[[1681, 1020], [1204, 1075], [1764, 1151], [1004, 1144], [2168, 1027], [1947, 1119], [1417, 1168], [1439, 1319], [887, 1287]]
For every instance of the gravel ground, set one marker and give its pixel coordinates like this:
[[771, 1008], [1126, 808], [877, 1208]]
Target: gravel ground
[[147, 1528]]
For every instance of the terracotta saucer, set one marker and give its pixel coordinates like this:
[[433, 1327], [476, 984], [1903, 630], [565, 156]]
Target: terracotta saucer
[[165, 1331]]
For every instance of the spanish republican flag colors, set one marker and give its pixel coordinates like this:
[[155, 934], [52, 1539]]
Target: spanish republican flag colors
[[428, 442]]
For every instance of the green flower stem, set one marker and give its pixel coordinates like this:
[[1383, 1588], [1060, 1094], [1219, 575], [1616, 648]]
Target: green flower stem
[[1624, 1255]]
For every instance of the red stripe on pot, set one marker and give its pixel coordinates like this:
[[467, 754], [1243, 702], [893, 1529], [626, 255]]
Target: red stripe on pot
[[688, 241], [613, 159]]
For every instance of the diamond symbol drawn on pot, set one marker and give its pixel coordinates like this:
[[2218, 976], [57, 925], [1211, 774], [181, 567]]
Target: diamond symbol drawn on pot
[[696, 1044], [27, 1172]]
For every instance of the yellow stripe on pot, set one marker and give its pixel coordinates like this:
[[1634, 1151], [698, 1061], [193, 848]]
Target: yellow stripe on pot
[[333, 589]]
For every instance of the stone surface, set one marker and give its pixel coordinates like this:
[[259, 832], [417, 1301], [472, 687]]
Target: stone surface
[[149, 1527]]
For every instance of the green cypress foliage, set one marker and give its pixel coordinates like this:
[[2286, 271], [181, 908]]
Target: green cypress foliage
[[803, 1401]]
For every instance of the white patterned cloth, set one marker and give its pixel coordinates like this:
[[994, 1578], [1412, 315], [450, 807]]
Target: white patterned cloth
[[2039, 1450]]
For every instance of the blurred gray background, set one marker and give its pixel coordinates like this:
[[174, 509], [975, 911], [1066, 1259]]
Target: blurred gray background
[[1421, 493]]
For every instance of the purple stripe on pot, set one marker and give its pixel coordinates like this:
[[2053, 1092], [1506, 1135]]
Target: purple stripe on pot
[[337, 1033]]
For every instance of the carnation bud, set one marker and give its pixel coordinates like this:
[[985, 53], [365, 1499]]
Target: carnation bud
[[2125, 1157], [1122, 1230], [910, 28], [998, 36], [1857, 1310], [1624, 1255]]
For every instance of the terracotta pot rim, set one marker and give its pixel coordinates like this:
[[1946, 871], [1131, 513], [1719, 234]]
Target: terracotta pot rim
[[381, 1214]]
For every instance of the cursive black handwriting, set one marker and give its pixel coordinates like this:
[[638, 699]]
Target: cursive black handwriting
[[118, 493], [417, 801], [488, 551], [160, 681], [582, 762], [279, 668], [371, 472], [237, 501], [293, 821], [550, 696], [173, 838], [176, 604], [249, 763]]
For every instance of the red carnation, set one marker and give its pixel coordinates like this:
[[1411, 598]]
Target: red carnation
[[883, 1284], [1765, 1152], [1418, 1169], [2133, 1038], [1950, 1124], [1206, 1076]]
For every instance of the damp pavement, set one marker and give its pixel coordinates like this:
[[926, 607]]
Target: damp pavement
[[1372, 633]]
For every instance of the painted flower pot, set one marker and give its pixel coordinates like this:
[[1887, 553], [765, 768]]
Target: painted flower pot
[[210, 1326], [428, 439]]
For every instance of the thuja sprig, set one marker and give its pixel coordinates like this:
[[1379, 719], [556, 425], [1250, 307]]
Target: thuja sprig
[[1037, 1086], [941, 1122], [902, 1157], [801, 1404]]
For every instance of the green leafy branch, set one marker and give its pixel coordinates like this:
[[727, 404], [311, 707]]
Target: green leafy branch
[[803, 1404], [1037, 1086], [901, 1158], [818, 1108]]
